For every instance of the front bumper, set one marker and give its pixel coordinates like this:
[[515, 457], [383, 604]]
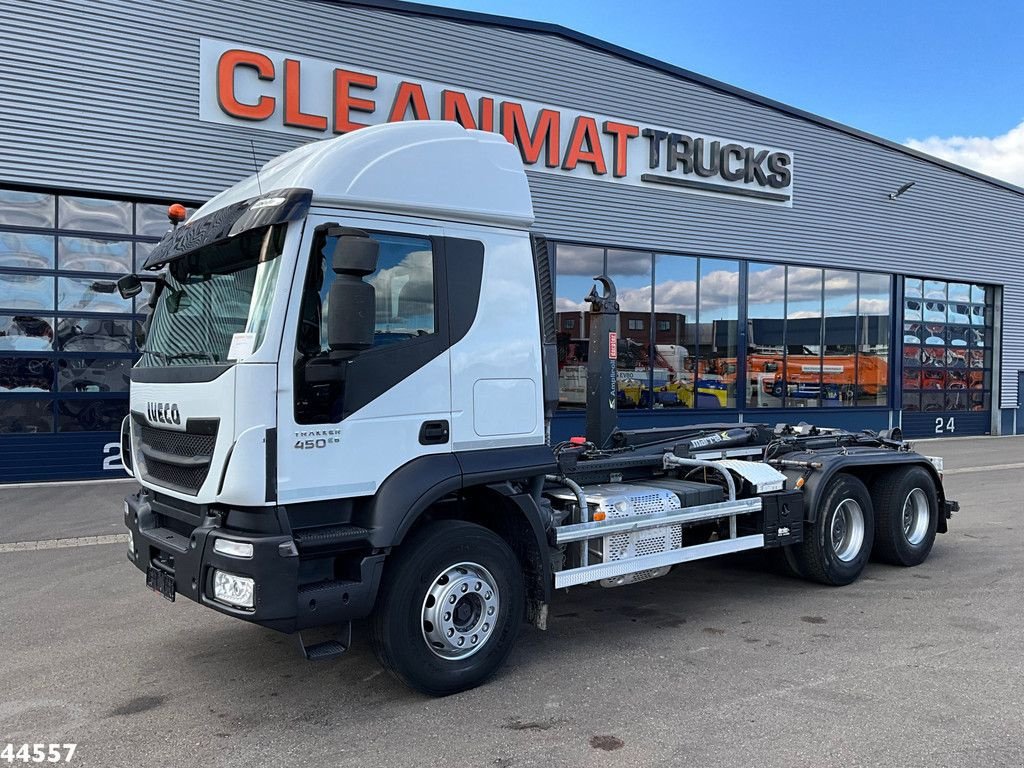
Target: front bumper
[[180, 542]]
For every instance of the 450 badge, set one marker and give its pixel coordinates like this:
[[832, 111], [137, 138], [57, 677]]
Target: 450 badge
[[311, 439]]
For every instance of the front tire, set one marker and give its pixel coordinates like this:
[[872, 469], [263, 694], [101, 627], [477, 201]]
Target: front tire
[[451, 606], [906, 507], [836, 547]]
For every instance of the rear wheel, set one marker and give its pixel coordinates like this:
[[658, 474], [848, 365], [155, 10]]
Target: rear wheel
[[450, 609], [906, 510], [836, 547]]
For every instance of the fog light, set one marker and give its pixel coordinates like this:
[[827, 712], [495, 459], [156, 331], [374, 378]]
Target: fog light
[[232, 548], [131, 544], [236, 590]]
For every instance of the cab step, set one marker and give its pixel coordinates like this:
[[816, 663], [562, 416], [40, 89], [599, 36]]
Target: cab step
[[329, 648]]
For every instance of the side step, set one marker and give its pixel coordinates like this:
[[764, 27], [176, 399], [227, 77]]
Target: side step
[[327, 649], [573, 577], [584, 531]]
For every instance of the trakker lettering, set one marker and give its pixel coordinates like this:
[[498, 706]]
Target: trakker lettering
[[313, 98], [163, 413]]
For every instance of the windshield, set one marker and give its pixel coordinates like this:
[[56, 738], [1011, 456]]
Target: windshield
[[214, 303]]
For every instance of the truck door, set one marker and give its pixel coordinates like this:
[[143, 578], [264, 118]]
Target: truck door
[[343, 439]]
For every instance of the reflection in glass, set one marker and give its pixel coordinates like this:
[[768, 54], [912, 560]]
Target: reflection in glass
[[93, 214], [25, 416], [959, 292], [803, 336], [977, 316], [873, 339], [151, 219], [26, 374], [766, 300], [26, 333], [575, 268], [912, 288], [978, 294], [935, 289], [718, 315], [933, 402], [958, 313], [26, 209], [935, 311], [911, 401], [33, 292], [94, 334], [675, 306], [142, 251], [89, 295], [839, 360], [97, 374], [26, 251], [912, 309], [91, 255], [630, 271], [74, 415]]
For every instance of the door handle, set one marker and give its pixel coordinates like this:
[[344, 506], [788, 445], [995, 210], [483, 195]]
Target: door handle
[[434, 432]]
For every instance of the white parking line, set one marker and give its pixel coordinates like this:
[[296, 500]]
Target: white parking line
[[989, 468], [79, 541]]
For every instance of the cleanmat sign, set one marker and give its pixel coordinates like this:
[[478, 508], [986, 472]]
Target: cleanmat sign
[[314, 98]]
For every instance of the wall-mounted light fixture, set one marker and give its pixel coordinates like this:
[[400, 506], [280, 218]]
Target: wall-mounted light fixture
[[899, 192]]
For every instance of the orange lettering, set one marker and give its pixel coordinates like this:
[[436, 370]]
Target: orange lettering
[[455, 107], [293, 114], [409, 95], [513, 128], [621, 134], [345, 102], [229, 104], [486, 113], [584, 129]]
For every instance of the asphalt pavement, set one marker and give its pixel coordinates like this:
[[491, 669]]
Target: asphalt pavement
[[721, 663]]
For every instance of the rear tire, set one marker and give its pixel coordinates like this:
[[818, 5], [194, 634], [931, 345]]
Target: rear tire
[[836, 547], [453, 565], [906, 516]]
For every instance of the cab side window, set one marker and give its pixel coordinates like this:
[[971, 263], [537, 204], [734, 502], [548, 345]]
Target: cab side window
[[404, 288]]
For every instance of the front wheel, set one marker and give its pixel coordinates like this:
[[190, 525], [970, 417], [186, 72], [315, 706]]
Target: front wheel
[[451, 607], [836, 547]]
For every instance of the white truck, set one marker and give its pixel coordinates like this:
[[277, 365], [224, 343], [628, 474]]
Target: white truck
[[343, 406]]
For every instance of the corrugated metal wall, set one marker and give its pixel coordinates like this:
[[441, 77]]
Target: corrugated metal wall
[[103, 95]]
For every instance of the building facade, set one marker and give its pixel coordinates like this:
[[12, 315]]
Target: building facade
[[770, 264]]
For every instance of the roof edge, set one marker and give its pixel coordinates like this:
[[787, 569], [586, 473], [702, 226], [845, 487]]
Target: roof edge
[[510, 22]]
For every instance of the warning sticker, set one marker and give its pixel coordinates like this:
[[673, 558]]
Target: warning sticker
[[613, 346]]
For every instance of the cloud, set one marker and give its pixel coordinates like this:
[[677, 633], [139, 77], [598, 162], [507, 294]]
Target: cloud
[[999, 156]]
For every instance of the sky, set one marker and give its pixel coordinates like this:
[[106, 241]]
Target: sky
[[941, 76]]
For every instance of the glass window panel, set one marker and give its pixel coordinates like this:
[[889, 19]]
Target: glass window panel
[[151, 219], [33, 292], [911, 378], [25, 416], [913, 333], [91, 255], [26, 333], [979, 401], [630, 271], [977, 315], [803, 336], [958, 292], [839, 359], [976, 358], [956, 400], [96, 374], [26, 374], [934, 311], [142, 251], [935, 289], [94, 334], [933, 401], [74, 415], [935, 335], [933, 357], [912, 288], [575, 268], [87, 294], [933, 378], [911, 401], [978, 294], [958, 312], [93, 214], [874, 330], [912, 309], [766, 309], [980, 336], [26, 209], [911, 355], [675, 304], [718, 315], [26, 251], [958, 336]]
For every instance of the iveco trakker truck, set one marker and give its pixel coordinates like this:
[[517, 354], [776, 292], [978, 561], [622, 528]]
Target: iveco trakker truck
[[343, 407]]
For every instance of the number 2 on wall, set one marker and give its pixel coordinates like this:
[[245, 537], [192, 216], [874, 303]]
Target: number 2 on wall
[[112, 461], [942, 426]]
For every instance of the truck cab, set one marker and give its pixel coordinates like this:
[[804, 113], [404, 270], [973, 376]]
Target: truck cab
[[342, 411]]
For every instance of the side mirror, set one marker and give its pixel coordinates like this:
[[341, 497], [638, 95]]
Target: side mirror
[[129, 286], [352, 304]]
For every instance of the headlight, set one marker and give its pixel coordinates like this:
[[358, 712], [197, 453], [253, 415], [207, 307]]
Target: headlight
[[235, 590], [232, 548]]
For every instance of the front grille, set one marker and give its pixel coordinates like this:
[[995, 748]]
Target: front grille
[[174, 459]]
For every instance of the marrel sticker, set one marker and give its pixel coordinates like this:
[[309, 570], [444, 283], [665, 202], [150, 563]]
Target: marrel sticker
[[613, 346], [241, 345]]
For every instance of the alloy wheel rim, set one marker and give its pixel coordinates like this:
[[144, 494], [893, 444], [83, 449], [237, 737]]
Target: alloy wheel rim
[[916, 517], [847, 530], [460, 611]]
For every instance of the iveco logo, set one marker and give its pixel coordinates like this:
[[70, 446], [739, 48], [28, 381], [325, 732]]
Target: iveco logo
[[163, 413]]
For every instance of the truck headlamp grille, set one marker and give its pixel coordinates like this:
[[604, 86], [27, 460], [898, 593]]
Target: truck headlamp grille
[[174, 459]]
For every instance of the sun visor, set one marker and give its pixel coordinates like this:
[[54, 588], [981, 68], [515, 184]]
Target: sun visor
[[275, 207]]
